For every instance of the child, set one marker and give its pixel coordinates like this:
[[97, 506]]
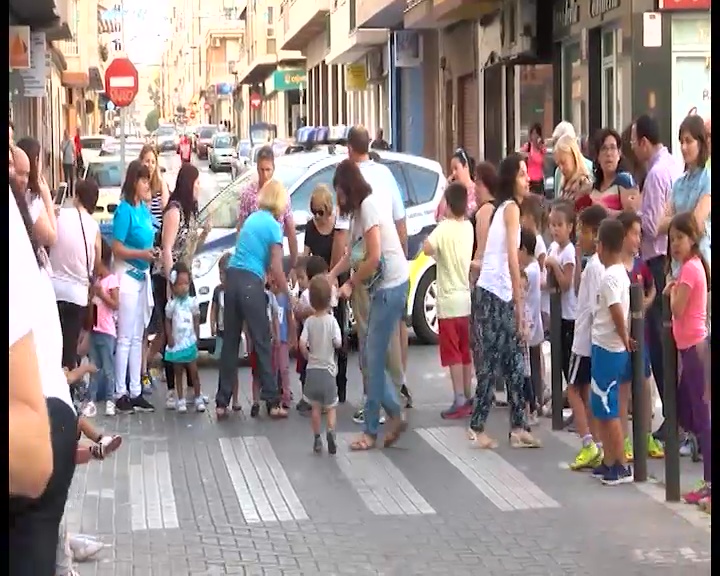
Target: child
[[451, 244], [103, 336], [182, 326], [285, 342], [217, 321], [560, 263], [638, 272], [319, 340], [611, 346], [533, 316], [590, 454], [533, 219], [688, 304], [271, 307], [303, 406]]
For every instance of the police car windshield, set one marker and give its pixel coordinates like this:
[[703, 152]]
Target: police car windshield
[[105, 174]]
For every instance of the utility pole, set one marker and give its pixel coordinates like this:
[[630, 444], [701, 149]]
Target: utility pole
[[123, 111]]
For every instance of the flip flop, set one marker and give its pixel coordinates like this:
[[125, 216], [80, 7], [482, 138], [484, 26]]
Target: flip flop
[[397, 427], [362, 444]]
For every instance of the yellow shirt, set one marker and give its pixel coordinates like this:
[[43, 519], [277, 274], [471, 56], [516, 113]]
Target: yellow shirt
[[452, 241]]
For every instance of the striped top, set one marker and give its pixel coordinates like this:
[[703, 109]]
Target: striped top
[[156, 207]]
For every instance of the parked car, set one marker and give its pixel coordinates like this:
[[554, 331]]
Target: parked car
[[107, 173], [204, 138], [92, 146], [166, 138], [221, 152]]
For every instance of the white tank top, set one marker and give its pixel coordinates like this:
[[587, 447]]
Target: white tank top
[[495, 272]]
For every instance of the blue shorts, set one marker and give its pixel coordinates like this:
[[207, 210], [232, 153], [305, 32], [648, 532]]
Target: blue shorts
[[607, 372], [646, 361]]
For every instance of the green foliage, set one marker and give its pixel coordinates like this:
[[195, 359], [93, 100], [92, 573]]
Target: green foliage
[[152, 120]]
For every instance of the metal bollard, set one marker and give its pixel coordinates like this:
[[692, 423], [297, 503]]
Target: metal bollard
[[672, 442], [639, 411], [556, 352]]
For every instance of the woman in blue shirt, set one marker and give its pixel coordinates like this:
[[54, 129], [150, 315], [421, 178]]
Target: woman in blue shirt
[[258, 252], [691, 192], [133, 235]]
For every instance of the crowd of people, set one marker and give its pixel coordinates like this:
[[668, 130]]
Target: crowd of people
[[610, 225]]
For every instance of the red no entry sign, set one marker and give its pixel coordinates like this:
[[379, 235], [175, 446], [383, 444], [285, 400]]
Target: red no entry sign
[[255, 100], [121, 82]]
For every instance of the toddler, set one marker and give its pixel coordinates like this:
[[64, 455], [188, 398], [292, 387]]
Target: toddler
[[285, 342], [319, 340]]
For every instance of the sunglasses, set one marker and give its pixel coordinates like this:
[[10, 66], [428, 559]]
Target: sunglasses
[[462, 155], [318, 213]]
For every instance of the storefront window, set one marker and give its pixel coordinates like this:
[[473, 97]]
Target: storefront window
[[536, 99], [609, 81], [572, 101]]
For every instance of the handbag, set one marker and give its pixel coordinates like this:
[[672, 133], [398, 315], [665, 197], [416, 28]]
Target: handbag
[[91, 314]]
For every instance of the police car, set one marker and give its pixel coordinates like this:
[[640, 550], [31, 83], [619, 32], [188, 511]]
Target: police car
[[312, 162]]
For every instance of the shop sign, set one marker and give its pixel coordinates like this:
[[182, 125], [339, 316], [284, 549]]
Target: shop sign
[[684, 4], [34, 76], [598, 8], [355, 77], [19, 47], [289, 79], [566, 13]]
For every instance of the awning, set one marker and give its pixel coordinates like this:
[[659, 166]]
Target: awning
[[79, 80], [107, 25], [95, 77]]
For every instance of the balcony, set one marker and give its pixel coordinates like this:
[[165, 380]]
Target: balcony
[[262, 57], [437, 14], [380, 13], [219, 73], [224, 27], [302, 20], [347, 42]]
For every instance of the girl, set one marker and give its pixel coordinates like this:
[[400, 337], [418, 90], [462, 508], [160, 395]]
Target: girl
[[285, 342], [561, 263], [182, 327], [535, 151], [688, 304]]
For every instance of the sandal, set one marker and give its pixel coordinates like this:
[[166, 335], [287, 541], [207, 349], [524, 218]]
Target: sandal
[[397, 427], [481, 440], [277, 412], [221, 413], [105, 446], [363, 444]]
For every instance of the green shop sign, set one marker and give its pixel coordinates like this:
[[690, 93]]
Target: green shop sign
[[284, 80]]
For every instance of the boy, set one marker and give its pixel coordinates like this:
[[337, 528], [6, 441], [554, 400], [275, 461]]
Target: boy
[[590, 455], [217, 321], [639, 273], [611, 346], [287, 339], [451, 244]]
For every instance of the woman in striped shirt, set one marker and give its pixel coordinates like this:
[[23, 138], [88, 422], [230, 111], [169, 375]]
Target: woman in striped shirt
[[158, 186]]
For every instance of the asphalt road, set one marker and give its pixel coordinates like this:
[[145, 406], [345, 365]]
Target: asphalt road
[[210, 183]]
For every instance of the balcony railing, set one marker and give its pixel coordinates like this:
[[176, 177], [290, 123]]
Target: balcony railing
[[69, 47]]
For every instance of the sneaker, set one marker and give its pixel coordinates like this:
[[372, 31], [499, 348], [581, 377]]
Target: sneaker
[[199, 404], [331, 442], [701, 491], [89, 410], [255, 410], [600, 470], [405, 393], [124, 405], [655, 448], [586, 458], [359, 416], [109, 408], [236, 407], [617, 474], [686, 447], [523, 439], [182, 406], [317, 445], [171, 400], [84, 547], [303, 406], [142, 405], [629, 455], [456, 411]]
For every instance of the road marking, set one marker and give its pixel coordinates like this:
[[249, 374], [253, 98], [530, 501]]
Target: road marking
[[152, 498], [381, 486], [670, 556], [499, 481], [261, 485]]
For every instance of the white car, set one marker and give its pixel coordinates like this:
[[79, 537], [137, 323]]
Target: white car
[[92, 145], [421, 183]]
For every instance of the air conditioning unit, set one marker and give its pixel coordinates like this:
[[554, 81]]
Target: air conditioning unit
[[216, 42], [519, 28], [375, 67], [271, 32]]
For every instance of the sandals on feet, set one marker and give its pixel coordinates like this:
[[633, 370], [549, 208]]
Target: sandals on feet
[[277, 412], [397, 427], [105, 446], [362, 444], [481, 440], [221, 413]]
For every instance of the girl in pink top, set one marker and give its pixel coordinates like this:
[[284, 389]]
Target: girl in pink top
[[688, 303], [535, 150]]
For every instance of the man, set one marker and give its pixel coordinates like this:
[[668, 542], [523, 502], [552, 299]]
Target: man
[[382, 182], [566, 129], [67, 150], [662, 171], [380, 143], [20, 168]]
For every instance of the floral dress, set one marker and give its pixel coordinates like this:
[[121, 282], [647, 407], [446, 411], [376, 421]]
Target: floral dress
[[248, 202], [182, 312]]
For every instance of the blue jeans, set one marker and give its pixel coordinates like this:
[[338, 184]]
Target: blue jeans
[[102, 354], [387, 308]]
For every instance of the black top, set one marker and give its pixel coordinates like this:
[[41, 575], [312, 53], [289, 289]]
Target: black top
[[319, 244]]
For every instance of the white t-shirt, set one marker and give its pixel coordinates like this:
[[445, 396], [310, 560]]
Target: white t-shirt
[[373, 212], [532, 304], [568, 299], [321, 334], [587, 295], [32, 308], [540, 247], [614, 289]]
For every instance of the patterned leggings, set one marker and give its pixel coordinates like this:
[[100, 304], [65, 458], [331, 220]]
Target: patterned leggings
[[496, 351]]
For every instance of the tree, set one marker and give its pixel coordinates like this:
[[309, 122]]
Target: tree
[[152, 120], [154, 92]]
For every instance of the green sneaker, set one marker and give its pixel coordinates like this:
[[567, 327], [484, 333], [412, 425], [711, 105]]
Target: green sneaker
[[629, 456], [655, 448], [587, 457]]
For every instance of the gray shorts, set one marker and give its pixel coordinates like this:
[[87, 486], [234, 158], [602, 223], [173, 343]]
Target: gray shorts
[[320, 387]]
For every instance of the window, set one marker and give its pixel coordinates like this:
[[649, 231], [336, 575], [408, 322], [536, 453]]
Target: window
[[536, 99], [270, 16], [572, 87], [609, 81], [300, 198], [105, 174], [397, 170], [353, 16], [92, 143], [423, 183]]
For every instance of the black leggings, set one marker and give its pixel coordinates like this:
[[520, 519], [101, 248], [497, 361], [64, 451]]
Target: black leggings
[[341, 377], [34, 523], [72, 318], [159, 286]]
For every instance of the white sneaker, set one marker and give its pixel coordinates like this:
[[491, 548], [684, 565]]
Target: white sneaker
[[182, 406], [109, 408], [199, 404], [89, 410], [84, 547], [171, 401]]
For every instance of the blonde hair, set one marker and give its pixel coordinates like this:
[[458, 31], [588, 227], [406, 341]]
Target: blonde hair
[[322, 197], [155, 181], [273, 198], [568, 145]]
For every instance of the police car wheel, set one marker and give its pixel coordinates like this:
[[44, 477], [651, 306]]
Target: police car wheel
[[424, 315]]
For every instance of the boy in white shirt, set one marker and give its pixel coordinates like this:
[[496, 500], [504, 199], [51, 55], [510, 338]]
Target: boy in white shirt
[[611, 346], [590, 455]]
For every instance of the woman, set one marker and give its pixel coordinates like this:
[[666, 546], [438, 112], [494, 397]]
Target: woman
[[535, 151], [158, 187], [133, 235], [379, 242], [575, 184], [462, 168], [319, 236], [258, 252], [72, 263], [498, 311], [248, 201], [615, 188], [40, 471], [179, 240], [485, 189], [691, 192], [39, 198]]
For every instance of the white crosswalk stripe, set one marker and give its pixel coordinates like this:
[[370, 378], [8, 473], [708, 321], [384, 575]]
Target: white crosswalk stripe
[[152, 498]]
